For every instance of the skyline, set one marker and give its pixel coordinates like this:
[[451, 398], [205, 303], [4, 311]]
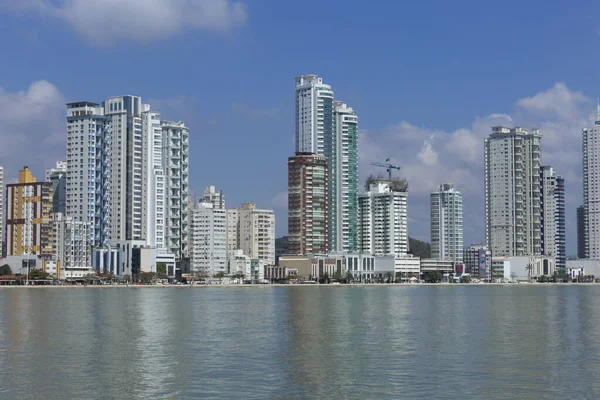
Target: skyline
[[435, 113]]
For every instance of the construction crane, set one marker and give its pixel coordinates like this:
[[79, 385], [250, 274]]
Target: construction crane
[[389, 167]]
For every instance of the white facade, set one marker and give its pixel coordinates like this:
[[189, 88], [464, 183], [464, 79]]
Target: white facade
[[216, 198], [257, 232], [407, 265], [88, 191], [208, 240], [71, 249], [125, 113], [591, 188], [512, 192], [176, 169], [446, 207], [153, 183], [238, 262], [313, 114], [382, 217]]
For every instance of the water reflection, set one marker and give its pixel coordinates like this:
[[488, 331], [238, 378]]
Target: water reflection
[[445, 342]]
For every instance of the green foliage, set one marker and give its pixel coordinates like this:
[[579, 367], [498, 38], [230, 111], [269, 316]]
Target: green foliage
[[543, 279], [349, 278], [419, 248], [161, 269], [146, 277], [35, 274], [465, 279], [220, 275], [127, 278], [5, 270], [433, 277]]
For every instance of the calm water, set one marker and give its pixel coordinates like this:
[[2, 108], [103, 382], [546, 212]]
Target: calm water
[[301, 343]]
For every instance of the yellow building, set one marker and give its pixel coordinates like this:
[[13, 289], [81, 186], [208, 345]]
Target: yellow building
[[29, 216]]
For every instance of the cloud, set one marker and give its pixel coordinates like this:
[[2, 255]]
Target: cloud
[[280, 201], [109, 21], [254, 113], [32, 122], [430, 157]]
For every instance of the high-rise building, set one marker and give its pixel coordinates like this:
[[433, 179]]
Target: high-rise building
[[125, 113], [88, 188], [216, 198], [512, 192], [29, 216], [581, 232], [382, 217], [233, 230], [447, 224], [154, 195], [58, 177], [208, 250], [552, 215], [307, 204], [176, 168], [591, 188], [1, 211], [330, 128], [71, 249], [314, 114], [257, 232], [477, 260], [342, 157]]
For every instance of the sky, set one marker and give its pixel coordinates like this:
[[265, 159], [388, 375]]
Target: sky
[[427, 79]]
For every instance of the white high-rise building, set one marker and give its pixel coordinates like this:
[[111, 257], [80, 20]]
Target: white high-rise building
[[216, 198], [88, 187], [512, 192], [71, 249], [447, 224], [330, 128], [153, 183], [553, 215], [208, 250], [58, 177], [382, 216], [176, 166], [125, 113], [314, 114], [257, 232], [591, 189]]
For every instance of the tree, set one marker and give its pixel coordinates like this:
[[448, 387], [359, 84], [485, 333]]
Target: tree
[[433, 276], [465, 279], [240, 276], [35, 274], [349, 277], [220, 275], [543, 279], [146, 277], [419, 248], [325, 278], [126, 278], [388, 277], [5, 270], [161, 269]]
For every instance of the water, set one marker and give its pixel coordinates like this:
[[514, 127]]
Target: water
[[443, 342]]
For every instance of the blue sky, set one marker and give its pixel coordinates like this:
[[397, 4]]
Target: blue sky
[[426, 78]]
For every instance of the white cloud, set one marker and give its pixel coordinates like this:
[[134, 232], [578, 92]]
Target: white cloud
[[32, 124], [431, 157], [108, 21], [280, 201]]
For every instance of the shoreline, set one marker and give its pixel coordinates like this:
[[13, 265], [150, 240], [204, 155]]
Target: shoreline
[[285, 285]]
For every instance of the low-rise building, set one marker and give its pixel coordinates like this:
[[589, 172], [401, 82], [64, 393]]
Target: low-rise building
[[477, 261], [589, 266], [302, 264], [433, 265]]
